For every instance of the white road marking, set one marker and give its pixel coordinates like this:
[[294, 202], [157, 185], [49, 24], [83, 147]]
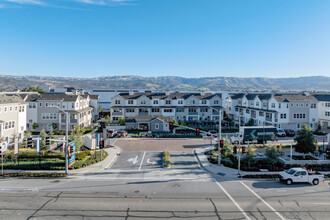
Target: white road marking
[[153, 162], [266, 203], [142, 160], [321, 203], [137, 178], [233, 200], [133, 160], [281, 190]]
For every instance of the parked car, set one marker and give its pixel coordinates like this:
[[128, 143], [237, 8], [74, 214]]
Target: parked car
[[300, 175], [289, 133], [112, 133], [280, 132]]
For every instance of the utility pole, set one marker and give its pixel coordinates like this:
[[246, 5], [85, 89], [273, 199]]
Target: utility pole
[[239, 145], [219, 137], [67, 144]]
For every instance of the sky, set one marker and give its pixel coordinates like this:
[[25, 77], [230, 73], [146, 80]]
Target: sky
[[188, 38]]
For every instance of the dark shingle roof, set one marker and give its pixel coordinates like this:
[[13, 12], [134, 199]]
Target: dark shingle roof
[[10, 99], [237, 96], [58, 96], [294, 97]]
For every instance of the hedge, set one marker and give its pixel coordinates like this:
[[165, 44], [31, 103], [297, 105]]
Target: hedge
[[166, 158], [92, 158], [45, 175]]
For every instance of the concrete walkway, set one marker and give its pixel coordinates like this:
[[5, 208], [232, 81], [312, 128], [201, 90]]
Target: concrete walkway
[[226, 171]]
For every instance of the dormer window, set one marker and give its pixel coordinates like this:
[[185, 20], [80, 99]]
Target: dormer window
[[117, 102], [130, 102], [143, 102], [168, 102]]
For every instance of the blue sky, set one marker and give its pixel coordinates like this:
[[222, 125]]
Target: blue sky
[[189, 38]]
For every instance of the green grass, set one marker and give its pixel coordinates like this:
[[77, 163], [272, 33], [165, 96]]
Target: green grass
[[36, 175]]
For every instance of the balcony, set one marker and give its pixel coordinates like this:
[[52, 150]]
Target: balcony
[[269, 119], [117, 113], [192, 113]]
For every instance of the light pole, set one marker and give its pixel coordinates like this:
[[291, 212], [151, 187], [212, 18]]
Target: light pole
[[239, 145], [66, 140], [219, 136]]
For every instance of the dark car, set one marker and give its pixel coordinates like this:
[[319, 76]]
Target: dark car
[[289, 132]]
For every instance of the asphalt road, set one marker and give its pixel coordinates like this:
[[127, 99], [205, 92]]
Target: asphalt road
[[146, 191]]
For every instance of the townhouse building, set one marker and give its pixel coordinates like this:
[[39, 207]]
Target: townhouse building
[[287, 111], [12, 117], [188, 107], [324, 109]]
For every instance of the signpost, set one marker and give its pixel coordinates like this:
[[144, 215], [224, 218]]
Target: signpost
[[3, 147], [72, 155]]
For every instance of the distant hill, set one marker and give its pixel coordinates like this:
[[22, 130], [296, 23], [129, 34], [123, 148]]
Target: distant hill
[[317, 83]]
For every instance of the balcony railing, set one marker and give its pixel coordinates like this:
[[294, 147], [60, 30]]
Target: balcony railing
[[269, 119]]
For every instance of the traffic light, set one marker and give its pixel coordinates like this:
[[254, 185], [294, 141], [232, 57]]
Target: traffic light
[[221, 144], [29, 142], [47, 141], [197, 131], [101, 145], [243, 150], [235, 149], [171, 126]]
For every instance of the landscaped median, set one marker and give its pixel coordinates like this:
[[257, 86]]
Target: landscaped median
[[87, 158], [166, 159]]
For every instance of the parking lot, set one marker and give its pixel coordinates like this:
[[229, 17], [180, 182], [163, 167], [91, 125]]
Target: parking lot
[[182, 145]]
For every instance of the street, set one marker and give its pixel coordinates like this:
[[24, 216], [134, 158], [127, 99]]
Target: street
[[137, 187]]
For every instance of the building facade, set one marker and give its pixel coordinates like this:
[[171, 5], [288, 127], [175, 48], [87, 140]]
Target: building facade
[[179, 106], [12, 117], [324, 109], [287, 111]]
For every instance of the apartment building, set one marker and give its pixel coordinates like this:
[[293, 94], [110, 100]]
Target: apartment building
[[324, 109], [12, 117], [197, 107], [287, 111], [48, 110]]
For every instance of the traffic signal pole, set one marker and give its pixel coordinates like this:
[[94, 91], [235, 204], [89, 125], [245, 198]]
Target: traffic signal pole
[[219, 138]]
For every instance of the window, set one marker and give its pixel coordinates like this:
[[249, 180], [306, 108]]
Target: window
[[168, 110], [72, 105], [192, 102], [327, 113], [5, 109], [283, 115], [143, 102], [298, 126], [297, 104], [180, 102], [204, 110], [313, 105], [130, 102], [156, 126], [247, 111], [279, 105], [10, 109], [15, 108], [287, 105], [292, 104], [49, 116], [155, 110], [40, 104], [294, 116], [32, 105], [129, 110], [203, 102], [216, 102], [168, 102], [236, 109], [155, 102], [117, 102], [306, 104], [46, 104], [273, 105], [116, 110], [257, 103], [261, 114], [180, 110], [192, 110], [264, 104]]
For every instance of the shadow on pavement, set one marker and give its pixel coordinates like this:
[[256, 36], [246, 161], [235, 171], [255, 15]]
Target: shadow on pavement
[[278, 185]]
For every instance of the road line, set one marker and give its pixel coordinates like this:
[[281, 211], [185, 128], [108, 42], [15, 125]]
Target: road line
[[233, 200], [142, 160], [266, 203], [321, 203]]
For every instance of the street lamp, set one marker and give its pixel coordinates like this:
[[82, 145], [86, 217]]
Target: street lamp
[[239, 145], [219, 136], [66, 140]]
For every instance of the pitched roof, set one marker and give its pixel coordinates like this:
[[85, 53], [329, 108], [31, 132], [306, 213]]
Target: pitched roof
[[161, 95], [322, 97], [237, 96], [10, 99], [58, 96], [151, 118], [293, 98]]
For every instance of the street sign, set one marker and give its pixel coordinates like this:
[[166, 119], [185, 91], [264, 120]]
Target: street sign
[[53, 146], [4, 146], [38, 145], [72, 155], [98, 139]]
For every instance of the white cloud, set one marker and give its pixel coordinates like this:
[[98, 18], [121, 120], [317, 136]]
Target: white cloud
[[104, 2], [27, 2]]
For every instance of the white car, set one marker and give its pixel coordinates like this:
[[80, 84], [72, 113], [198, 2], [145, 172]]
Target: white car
[[300, 175], [280, 132]]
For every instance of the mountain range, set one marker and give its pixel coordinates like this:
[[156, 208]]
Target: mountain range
[[173, 83]]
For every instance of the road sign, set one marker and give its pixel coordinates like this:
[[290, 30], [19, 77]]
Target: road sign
[[72, 155], [4, 146]]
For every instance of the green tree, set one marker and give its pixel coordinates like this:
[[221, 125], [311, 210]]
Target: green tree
[[250, 122], [108, 118], [175, 122], [76, 135], [100, 109], [248, 157], [54, 126], [42, 135], [182, 123], [39, 90], [26, 135], [271, 155], [32, 89], [227, 149], [35, 126], [305, 140], [122, 120], [51, 134]]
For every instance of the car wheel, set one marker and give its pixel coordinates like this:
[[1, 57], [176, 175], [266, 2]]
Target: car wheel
[[288, 181], [315, 182]]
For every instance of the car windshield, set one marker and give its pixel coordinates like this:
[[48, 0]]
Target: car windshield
[[291, 171]]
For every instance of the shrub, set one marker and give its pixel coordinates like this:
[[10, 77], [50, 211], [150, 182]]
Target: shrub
[[82, 155], [166, 158]]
